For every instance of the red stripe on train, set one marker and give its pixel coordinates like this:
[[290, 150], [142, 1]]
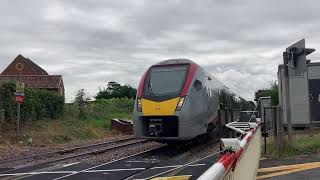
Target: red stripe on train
[[141, 84], [192, 71]]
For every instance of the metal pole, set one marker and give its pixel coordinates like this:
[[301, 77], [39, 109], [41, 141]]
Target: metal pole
[[265, 131], [18, 122], [280, 125], [275, 127], [18, 115], [287, 94]]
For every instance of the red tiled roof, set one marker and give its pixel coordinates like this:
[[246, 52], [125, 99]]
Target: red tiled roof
[[36, 81], [37, 69]]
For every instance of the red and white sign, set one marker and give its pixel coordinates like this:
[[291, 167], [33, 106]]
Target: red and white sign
[[19, 98]]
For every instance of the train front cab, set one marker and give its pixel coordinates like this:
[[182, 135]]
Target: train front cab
[[164, 110]]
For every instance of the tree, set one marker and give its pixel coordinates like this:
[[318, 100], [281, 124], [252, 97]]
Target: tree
[[115, 90], [81, 101], [252, 105], [272, 91]]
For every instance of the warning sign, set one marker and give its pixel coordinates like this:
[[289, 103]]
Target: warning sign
[[20, 86], [19, 98]]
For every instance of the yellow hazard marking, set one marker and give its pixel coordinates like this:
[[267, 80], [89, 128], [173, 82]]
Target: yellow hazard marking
[[186, 177], [164, 108], [283, 170]]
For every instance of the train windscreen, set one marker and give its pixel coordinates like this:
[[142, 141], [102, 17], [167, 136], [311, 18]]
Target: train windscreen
[[165, 82]]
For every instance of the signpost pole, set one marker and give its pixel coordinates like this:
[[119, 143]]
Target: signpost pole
[[19, 98], [18, 121], [18, 114]]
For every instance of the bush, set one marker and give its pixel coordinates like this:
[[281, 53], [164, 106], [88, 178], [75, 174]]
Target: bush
[[39, 104], [99, 113], [7, 102]]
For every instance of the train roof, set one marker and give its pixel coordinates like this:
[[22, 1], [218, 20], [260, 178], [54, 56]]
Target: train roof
[[188, 61], [175, 61]]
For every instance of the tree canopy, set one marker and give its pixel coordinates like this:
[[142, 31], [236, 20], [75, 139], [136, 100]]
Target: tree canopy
[[271, 91], [116, 90]]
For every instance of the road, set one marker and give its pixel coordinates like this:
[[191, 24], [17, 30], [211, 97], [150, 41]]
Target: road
[[298, 168]]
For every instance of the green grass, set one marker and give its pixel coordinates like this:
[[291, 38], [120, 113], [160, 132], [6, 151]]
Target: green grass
[[303, 144], [93, 123]]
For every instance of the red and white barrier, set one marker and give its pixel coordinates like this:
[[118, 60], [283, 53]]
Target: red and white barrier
[[241, 160]]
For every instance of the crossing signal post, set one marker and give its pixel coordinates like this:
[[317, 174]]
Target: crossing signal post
[[19, 97]]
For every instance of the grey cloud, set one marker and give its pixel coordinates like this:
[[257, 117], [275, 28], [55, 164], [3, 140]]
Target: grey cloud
[[93, 42]]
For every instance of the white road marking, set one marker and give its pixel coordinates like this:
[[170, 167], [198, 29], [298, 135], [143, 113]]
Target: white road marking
[[70, 172], [143, 161], [113, 170], [66, 165], [36, 173], [94, 171], [101, 165], [174, 166]]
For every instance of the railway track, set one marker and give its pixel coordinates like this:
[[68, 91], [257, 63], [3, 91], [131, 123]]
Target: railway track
[[71, 153], [163, 156], [154, 162], [174, 160]]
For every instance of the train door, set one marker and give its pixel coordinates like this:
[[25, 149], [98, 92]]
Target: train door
[[314, 92], [196, 94], [223, 105]]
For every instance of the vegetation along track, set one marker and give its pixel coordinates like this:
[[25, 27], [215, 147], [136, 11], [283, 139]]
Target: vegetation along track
[[70, 153]]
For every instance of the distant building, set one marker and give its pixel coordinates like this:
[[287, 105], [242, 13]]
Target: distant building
[[32, 75]]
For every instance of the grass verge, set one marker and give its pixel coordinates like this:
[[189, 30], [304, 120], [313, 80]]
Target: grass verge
[[92, 123], [303, 144]]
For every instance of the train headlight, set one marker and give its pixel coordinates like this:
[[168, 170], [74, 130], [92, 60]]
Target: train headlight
[[180, 104], [139, 105]]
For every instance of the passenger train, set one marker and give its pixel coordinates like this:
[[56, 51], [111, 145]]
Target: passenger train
[[177, 100]]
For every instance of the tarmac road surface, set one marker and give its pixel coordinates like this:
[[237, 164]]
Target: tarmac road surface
[[297, 168]]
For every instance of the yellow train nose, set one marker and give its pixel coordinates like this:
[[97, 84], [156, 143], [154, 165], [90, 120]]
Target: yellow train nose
[[164, 108]]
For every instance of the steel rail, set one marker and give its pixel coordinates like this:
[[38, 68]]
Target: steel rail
[[88, 153], [64, 151], [100, 151]]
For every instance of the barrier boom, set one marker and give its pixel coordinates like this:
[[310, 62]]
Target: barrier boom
[[240, 160]]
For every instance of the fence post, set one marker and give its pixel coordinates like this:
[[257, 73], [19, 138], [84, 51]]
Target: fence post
[[275, 124], [279, 129], [226, 121]]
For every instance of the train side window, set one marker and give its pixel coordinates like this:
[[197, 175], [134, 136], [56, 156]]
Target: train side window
[[198, 85]]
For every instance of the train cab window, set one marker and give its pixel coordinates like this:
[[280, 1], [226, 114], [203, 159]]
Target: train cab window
[[165, 82], [197, 85]]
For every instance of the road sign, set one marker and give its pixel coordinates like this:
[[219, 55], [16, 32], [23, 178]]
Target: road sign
[[20, 86], [19, 98]]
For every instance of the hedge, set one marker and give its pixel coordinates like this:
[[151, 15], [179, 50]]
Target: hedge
[[38, 104]]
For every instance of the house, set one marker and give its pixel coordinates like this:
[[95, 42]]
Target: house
[[32, 75]]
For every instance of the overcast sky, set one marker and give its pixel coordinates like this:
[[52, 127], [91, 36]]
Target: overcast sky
[[93, 42]]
